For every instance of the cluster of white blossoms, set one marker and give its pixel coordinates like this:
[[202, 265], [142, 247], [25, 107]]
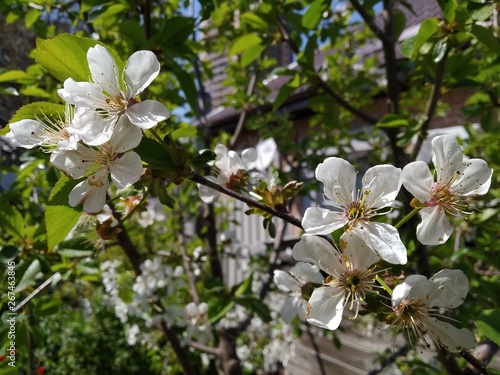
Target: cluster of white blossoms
[[103, 122], [418, 304]]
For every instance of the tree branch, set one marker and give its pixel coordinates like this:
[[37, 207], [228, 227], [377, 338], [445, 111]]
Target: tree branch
[[244, 112], [185, 260], [316, 78], [134, 257], [204, 348], [369, 20], [431, 106], [249, 201], [479, 358]]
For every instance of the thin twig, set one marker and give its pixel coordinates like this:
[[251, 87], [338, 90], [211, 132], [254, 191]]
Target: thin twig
[[316, 78], [204, 348], [474, 362], [249, 201], [390, 359], [431, 106], [369, 20], [243, 114]]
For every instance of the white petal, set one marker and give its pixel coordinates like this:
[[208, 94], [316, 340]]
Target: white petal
[[386, 242], [125, 136], [474, 180], [418, 180], [141, 69], [249, 158], [235, 162], [326, 306], [447, 158], [208, 195], [93, 198], [322, 221], [222, 160], [435, 227], [104, 70], [448, 289], [285, 282], [448, 336], [410, 288], [74, 163], [126, 169], [26, 133], [318, 251], [290, 310], [360, 255], [93, 129], [339, 178], [147, 114], [82, 94], [307, 272], [381, 185]]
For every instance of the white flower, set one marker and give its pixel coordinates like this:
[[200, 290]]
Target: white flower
[[154, 212], [114, 97], [112, 158], [132, 334], [355, 208], [350, 276], [50, 134], [300, 276], [418, 302], [456, 181], [233, 171]]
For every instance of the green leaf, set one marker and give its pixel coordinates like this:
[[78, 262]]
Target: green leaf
[[488, 324], [439, 50], [201, 160], [35, 91], [66, 56], [250, 54], [392, 120], [29, 275], [407, 47], [254, 21], [154, 154], [256, 306], [8, 253], [38, 110], [285, 91], [31, 17], [314, 13], [428, 28], [75, 247], [12, 221], [448, 7], [244, 42], [218, 306], [483, 13], [399, 21], [486, 37], [186, 82], [60, 217], [13, 76], [185, 131], [244, 288]]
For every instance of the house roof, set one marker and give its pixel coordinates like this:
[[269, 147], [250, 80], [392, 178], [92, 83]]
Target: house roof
[[226, 117]]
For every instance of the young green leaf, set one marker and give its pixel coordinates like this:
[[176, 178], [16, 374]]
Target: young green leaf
[[60, 217]]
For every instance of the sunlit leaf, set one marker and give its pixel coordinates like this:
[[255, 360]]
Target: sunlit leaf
[[60, 217]]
